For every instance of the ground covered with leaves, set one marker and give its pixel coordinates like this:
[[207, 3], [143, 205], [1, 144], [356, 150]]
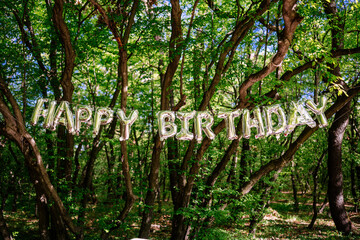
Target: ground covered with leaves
[[280, 221]]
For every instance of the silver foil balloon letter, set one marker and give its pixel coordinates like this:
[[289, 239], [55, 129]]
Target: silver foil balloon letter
[[126, 123], [67, 120], [298, 116], [167, 127], [248, 123], [82, 114], [184, 133], [38, 111], [319, 110], [281, 119], [204, 126], [229, 122], [49, 119], [103, 116]]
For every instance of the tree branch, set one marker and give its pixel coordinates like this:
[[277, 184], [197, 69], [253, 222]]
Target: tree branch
[[64, 34], [291, 21], [306, 133]]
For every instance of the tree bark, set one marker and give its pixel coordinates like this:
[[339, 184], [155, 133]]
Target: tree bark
[[123, 87], [337, 130], [353, 186], [357, 169], [306, 133], [294, 187], [354, 134], [335, 185], [14, 129], [43, 214], [231, 178], [58, 230], [5, 232], [174, 56], [66, 143], [244, 165], [258, 215], [315, 180], [291, 19]]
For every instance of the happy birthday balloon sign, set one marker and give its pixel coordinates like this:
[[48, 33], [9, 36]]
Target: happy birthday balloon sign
[[270, 120], [83, 114]]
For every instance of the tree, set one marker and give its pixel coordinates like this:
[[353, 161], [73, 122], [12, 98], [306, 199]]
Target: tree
[[337, 130], [176, 56]]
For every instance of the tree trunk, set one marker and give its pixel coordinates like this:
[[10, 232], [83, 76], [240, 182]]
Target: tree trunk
[[66, 143], [315, 179], [258, 215], [353, 142], [245, 150], [58, 230], [293, 183], [337, 130], [5, 233], [287, 156], [357, 169], [151, 193], [43, 214], [335, 186], [166, 82], [180, 228], [231, 178], [14, 129], [292, 19], [353, 186], [173, 155]]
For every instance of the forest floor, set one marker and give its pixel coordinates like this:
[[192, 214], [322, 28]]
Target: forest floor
[[281, 221]]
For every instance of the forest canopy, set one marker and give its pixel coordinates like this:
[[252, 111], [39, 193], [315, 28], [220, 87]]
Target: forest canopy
[[77, 76]]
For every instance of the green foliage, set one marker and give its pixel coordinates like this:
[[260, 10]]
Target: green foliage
[[34, 70]]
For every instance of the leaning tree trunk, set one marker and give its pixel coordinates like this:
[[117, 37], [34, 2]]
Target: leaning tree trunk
[[336, 132], [335, 186], [13, 128]]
